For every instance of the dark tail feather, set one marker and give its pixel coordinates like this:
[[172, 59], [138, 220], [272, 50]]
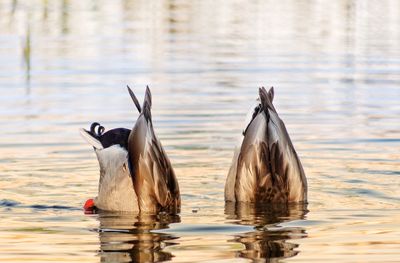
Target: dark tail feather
[[266, 98], [147, 96], [271, 94], [135, 100], [147, 103]]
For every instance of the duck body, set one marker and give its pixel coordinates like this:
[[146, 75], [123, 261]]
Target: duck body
[[154, 179], [135, 172], [116, 192], [266, 168]]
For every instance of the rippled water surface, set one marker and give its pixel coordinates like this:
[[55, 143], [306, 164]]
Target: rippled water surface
[[335, 66]]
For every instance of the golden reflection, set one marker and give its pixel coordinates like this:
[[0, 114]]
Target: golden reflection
[[269, 239], [129, 237]]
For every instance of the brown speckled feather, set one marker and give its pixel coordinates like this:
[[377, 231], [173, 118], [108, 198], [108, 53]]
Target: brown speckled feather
[[266, 168], [153, 177]]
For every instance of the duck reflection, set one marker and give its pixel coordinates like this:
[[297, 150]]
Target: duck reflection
[[129, 238], [268, 241]]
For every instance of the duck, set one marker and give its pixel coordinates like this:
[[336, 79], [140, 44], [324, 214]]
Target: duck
[[154, 179], [115, 189], [265, 167], [136, 174]]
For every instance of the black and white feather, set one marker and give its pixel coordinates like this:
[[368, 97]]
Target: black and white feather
[[115, 192]]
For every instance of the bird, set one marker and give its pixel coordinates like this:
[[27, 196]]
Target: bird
[[265, 167], [136, 174], [154, 179], [115, 191]]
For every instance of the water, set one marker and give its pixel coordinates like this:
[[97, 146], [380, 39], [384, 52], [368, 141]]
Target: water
[[335, 66]]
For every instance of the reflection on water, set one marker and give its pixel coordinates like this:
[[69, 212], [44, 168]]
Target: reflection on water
[[269, 240], [129, 238]]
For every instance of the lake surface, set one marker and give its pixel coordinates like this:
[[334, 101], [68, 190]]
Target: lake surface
[[335, 66]]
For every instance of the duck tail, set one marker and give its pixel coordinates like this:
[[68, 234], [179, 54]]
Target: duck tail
[[266, 98], [134, 99], [146, 109]]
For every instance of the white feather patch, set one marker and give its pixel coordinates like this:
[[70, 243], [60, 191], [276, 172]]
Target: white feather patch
[[90, 139]]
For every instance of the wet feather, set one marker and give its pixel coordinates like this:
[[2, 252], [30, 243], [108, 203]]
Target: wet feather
[[152, 174], [266, 167]]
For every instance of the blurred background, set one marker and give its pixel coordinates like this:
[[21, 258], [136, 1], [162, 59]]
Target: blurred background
[[335, 66]]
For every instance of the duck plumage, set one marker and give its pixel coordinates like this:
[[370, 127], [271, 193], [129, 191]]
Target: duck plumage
[[135, 172], [153, 177], [266, 168], [115, 191]]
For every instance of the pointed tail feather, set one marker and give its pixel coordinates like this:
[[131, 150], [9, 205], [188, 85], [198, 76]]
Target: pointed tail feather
[[271, 94], [266, 98], [135, 100], [147, 104], [147, 97]]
